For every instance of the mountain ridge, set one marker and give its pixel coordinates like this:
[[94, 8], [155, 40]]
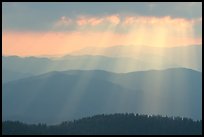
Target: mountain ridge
[[104, 92], [110, 124]]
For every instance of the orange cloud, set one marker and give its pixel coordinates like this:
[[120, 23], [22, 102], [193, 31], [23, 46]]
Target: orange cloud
[[89, 21], [64, 21], [114, 19], [58, 43], [150, 31], [93, 21], [128, 20], [81, 21], [150, 20], [127, 23], [54, 43]]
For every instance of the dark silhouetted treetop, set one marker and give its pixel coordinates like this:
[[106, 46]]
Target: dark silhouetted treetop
[[112, 124]]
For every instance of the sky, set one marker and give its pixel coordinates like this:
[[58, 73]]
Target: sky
[[35, 29]]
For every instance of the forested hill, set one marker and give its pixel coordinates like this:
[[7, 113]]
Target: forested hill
[[119, 124]]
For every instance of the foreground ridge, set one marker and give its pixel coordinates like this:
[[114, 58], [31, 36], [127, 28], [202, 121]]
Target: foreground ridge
[[104, 124]]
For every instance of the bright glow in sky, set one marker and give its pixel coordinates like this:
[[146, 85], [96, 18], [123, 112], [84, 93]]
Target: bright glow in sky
[[63, 32], [56, 29]]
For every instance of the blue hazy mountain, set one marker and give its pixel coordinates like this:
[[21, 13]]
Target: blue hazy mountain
[[9, 75], [183, 56], [30, 65], [119, 59], [57, 96], [174, 87], [37, 65]]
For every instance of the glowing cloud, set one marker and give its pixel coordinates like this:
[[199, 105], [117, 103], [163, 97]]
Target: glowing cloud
[[54, 43], [64, 21], [103, 32], [129, 21], [114, 19], [94, 21]]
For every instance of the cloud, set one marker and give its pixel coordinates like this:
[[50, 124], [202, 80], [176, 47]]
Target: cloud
[[63, 21], [103, 31], [151, 20], [127, 20], [128, 24], [93, 21], [114, 19], [45, 27], [96, 21], [40, 16], [52, 43]]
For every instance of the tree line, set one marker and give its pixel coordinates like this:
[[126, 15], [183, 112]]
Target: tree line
[[109, 124]]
